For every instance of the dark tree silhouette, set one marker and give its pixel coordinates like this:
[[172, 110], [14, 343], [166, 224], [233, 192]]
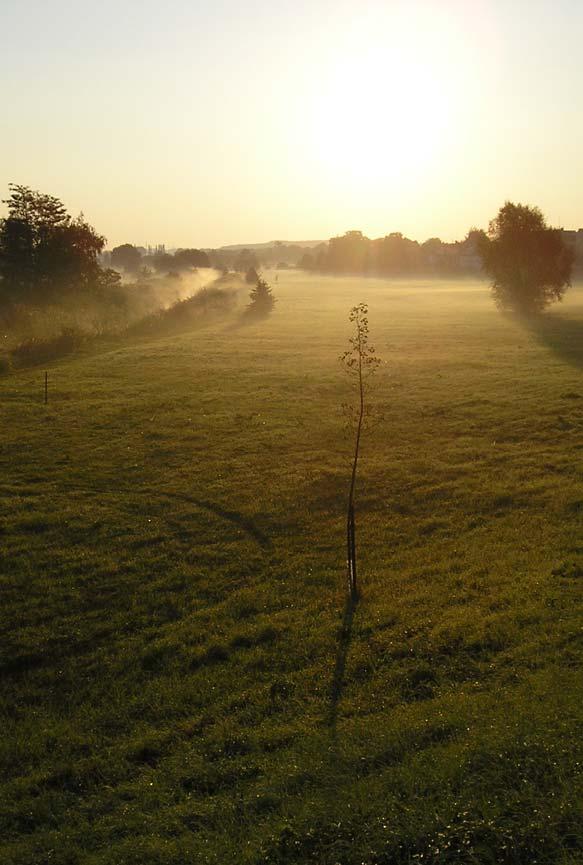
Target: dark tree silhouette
[[127, 257], [43, 250], [244, 259], [529, 263], [262, 299], [185, 259], [359, 361], [251, 276], [307, 262], [162, 262]]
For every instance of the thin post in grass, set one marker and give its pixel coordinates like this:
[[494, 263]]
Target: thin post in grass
[[46, 388], [359, 361]]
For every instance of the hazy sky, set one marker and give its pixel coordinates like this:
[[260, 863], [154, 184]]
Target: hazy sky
[[206, 123]]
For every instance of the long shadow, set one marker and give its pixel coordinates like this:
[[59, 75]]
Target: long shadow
[[564, 336], [235, 517], [344, 640]]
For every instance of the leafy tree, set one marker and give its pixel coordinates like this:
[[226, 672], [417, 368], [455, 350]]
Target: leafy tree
[[38, 210], [245, 259], [127, 257], [528, 262], [17, 265], [43, 250], [184, 259], [359, 361], [162, 262], [262, 299], [395, 254], [349, 253], [109, 287]]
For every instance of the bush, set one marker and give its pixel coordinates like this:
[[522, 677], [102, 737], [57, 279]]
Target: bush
[[4, 364], [207, 303], [34, 351], [262, 300]]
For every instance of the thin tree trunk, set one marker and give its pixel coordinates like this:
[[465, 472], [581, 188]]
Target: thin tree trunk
[[353, 546], [349, 556], [351, 534]]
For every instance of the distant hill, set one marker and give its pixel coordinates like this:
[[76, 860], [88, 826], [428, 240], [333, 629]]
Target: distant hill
[[308, 243]]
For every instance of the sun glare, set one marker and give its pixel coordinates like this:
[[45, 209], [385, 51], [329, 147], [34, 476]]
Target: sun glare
[[387, 112]]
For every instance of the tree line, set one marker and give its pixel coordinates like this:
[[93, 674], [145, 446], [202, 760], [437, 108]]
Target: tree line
[[393, 255], [47, 255], [137, 260], [396, 255], [529, 263]]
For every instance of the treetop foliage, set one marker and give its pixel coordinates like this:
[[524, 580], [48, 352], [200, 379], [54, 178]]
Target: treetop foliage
[[359, 360], [43, 250], [189, 258], [127, 257], [391, 255], [37, 210], [529, 263], [262, 299], [361, 357], [131, 259]]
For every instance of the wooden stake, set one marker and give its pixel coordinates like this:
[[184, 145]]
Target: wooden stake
[[46, 388]]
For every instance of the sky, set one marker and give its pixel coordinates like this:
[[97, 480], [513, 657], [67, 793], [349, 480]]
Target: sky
[[208, 123]]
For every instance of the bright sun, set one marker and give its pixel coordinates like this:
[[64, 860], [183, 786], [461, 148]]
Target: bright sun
[[386, 112]]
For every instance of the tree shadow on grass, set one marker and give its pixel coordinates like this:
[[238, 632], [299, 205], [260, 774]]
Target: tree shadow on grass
[[564, 336], [344, 640], [236, 517]]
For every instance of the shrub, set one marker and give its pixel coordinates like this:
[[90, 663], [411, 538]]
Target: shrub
[[4, 363], [34, 351], [207, 303], [262, 300]]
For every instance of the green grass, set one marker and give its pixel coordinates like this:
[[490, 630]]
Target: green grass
[[180, 683]]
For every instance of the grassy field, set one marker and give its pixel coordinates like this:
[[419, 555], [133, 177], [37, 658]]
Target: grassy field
[[181, 681]]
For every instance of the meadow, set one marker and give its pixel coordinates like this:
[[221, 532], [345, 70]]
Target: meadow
[[182, 681]]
